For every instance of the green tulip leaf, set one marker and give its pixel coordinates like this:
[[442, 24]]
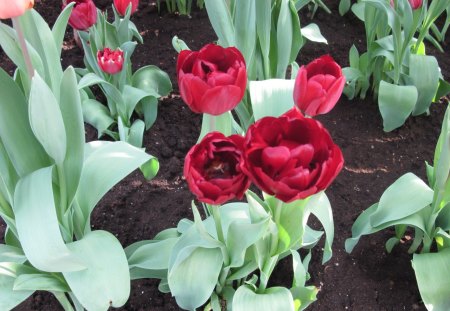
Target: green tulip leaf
[[40, 281], [396, 102], [59, 28], [424, 71], [37, 224], [273, 299], [97, 115], [15, 131], [46, 120], [433, 277], [406, 196], [10, 298], [271, 97], [192, 280], [115, 160], [312, 33], [152, 80], [221, 21], [245, 28], [106, 280]]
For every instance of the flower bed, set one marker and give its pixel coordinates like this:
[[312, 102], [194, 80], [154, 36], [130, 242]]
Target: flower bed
[[137, 209]]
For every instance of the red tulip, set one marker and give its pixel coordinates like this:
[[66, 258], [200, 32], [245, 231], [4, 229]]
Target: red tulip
[[212, 80], [415, 4], [110, 61], [84, 14], [14, 8], [212, 169], [122, 5], [318, 86], [291, 157]]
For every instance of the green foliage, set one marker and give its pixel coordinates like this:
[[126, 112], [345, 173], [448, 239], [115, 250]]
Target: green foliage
[[409, 202], [50, 181], [395, 66], [183, 7], [126, 92]]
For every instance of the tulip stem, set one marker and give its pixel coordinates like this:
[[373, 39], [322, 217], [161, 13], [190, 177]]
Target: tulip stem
[[23, 46], [216, 216], [212, 123]]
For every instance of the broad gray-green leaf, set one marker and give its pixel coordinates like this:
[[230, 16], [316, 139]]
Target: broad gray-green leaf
[[320, 206], [312, 33], [115, 161], [271, 97], [424, 71], [285, 38], [106, 281], [59, 28], [245, 28], [221, 123], [153, 255], [396, 102], [152, 79], [11, 254], [15, 131], [38, 33], [70, 104], [37, 224], [97, 115], [40, 281], [406, 196], [136, 133], [8, 297], [433, 277], [219, 15], [273, 299], [193, 280], [46, 119]]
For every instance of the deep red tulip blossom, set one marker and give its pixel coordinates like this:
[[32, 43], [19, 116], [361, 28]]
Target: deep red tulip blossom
[[212, 169], [110, 61], [291, 157], [84, 14], [212, 80], [122, 5], [415, 4], [318, 86], [14, 8]]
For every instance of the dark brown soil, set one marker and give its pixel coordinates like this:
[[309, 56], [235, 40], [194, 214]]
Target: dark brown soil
[[136, 209]]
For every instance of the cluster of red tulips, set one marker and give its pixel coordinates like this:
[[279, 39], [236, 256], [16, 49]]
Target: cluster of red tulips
[[290, 157]]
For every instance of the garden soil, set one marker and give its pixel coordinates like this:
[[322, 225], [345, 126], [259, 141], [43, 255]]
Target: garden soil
[[367, 279]]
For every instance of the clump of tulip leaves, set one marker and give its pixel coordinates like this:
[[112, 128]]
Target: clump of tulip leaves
[[51, 180], [411, 203], [395, 66], [126, 92]]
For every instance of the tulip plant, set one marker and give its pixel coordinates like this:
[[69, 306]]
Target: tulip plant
[[51, 180], [410, 203], [183, 7], [395, 66], [290, 157], [269, 36], [108, 49]]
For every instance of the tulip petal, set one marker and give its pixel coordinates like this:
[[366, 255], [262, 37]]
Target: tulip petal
[[220, 99], [192, 90], [333, 94], [274, 158]]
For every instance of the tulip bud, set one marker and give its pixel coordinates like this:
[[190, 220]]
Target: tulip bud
[[14, 8], [122, 5], [110, 61], [84, 14], [318, 86]]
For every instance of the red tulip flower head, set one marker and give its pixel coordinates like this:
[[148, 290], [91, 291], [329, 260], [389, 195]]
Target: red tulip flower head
[[110, 61], [84, 14], [122, 5], [212, 169], [14, 8], [318, 86], [212, 80], [415, 4], [291, 157]]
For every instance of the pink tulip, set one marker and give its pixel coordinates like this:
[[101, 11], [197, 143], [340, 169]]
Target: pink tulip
[[14, 8], [110, 61]]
